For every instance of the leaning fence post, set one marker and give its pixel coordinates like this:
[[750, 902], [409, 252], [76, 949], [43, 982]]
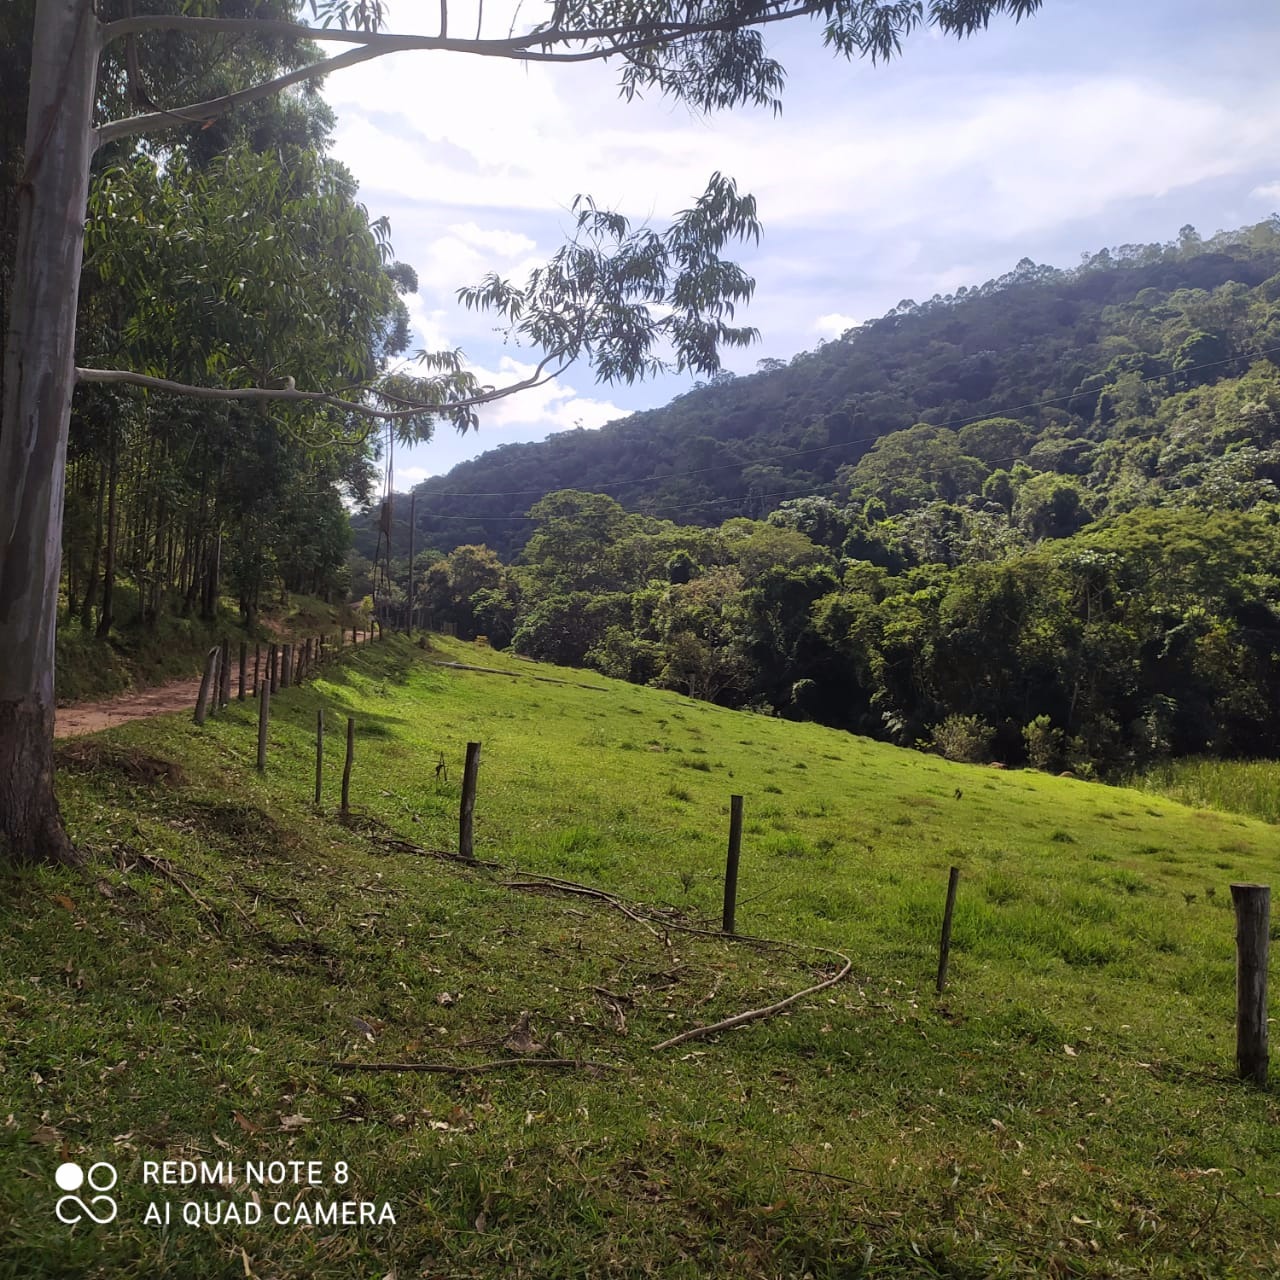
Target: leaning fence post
[[346, 768], [1253, 926], [944, 950], [731, 865], [206, 681], [224, 673], [319, 750], [264, 716], [466, 813]]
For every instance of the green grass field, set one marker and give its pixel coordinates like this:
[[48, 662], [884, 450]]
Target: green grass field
[[1069, 1107], [1236, 786]]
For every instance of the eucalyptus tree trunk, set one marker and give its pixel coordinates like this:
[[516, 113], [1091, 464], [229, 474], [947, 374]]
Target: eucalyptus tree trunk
[[39, 377], [106, 616]]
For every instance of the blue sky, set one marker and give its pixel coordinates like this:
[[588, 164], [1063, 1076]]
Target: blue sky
[[1094, 123]]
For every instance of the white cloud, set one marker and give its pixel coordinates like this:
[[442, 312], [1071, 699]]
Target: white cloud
[[937, 170], [1009, 154], [428, 323], [408, 477], [554, 406], [833, 324]]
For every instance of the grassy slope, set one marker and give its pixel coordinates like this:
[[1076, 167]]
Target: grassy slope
[[1236, 786], [1068, 1109]]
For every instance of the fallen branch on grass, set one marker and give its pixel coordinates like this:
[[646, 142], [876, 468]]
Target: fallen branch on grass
[[472, 1068], [162, 867], [754, 1015], [551, 885], [444, 855], [532, 882]]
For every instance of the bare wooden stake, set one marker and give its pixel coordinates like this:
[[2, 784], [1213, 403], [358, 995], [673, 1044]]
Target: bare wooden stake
[[244, 658], [944, 950], [224, 670], [1253, 927], [264, 717], [286, 666], [257, 666], [273, 662], [206, 683], [346, 768], [319, 750], [731, 866], [466, 815]]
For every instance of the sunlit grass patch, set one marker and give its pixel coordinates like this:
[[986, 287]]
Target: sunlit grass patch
[[230, 937]]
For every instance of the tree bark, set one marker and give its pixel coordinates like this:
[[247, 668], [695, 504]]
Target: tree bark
[[106, 616], [95, 560], [39, 378]]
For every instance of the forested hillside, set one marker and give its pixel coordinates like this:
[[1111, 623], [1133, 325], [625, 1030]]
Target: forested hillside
[[1073, 355], [1036, 521]]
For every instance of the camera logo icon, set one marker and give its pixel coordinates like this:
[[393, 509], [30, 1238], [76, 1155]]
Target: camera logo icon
[[101, 1177]]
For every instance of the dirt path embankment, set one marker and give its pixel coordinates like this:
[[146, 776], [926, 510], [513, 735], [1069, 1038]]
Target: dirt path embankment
[[139, 704], [89, 717]]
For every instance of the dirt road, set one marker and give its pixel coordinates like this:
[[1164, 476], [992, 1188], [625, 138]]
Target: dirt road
[[89, 717]]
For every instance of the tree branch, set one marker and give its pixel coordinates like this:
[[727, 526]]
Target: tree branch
[[126, 377], [202, 112], [391, 42], [470, 1069], [753, 1015]]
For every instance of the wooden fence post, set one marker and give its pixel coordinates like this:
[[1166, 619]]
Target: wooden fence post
[[206, 683], [244, 658], [264, 717], [346, 768], [286, 666], [319, 751], [257, 666], [224, 673], [466, 814], [1253, 926], [731, 866], [944, 950], [273, 663]]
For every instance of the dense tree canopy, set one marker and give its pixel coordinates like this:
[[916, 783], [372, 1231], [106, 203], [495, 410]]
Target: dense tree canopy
[[1076, 358], [1090, 583]]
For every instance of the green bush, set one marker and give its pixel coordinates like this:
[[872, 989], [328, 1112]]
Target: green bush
[[963, 738]]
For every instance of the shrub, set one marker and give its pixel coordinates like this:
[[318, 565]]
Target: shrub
[[964, 738], [1044, 743]]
